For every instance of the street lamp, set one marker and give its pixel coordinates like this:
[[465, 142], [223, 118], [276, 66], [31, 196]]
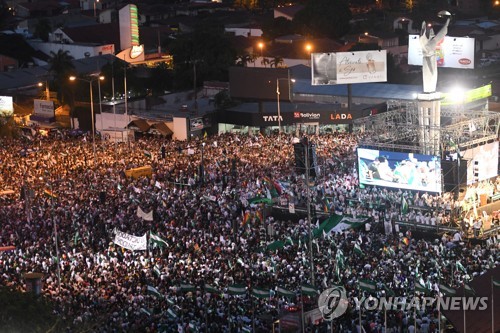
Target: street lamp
[[47, 92], [309, 49], [95, 1], [278, 98], [261, 46], [98, 79]]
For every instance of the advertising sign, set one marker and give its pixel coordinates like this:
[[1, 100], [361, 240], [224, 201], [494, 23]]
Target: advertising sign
[[43, 108], [468, 96], [362, 67], [452, 52], [399, 170], [348, 67], [6, 106], [196, 124], [482, 162]]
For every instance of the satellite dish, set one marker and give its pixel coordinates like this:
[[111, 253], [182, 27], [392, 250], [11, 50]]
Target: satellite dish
[[444, 13]]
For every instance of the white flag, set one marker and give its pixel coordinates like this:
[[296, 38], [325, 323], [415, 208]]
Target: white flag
[[130, 242], [143, 215]]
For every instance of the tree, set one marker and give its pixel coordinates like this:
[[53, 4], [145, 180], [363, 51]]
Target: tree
[[276, 62], [60, 69], [276, 27], [42, 29], [265, 62], [243, 59], [323, 18], [207, 50]]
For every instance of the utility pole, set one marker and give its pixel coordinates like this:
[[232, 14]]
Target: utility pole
[[308, 197]]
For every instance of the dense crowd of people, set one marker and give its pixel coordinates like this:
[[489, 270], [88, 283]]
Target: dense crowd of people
[[64, 187]]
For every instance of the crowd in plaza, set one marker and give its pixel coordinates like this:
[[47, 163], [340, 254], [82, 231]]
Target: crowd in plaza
[[210, 233]]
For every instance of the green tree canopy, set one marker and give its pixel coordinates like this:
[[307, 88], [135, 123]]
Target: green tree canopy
[[60, 69], [324, 18]]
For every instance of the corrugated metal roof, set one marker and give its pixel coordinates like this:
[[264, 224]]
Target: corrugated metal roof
[[373, 90]]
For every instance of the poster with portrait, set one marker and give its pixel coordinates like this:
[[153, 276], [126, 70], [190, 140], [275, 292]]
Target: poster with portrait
[[323, 68]]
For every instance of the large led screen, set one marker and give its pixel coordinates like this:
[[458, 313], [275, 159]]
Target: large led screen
[[400, 170], [482, 162]]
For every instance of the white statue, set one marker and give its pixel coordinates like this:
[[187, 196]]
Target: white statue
[[428, 42]]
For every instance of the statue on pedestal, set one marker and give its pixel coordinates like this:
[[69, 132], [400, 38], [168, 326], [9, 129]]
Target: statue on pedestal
[[428, 42]]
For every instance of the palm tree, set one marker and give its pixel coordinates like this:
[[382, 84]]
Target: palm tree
[[265, 62], [243, 59], [277, 61], [60, 69]]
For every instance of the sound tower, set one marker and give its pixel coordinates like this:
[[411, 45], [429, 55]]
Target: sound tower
[[300, 157]]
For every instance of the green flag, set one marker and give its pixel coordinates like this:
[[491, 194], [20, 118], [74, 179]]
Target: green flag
[[357, 249], [460, 267], [211, 289], [237, 289], [284, 292], [187, 287], [367, 285], [155, 239], [447, 291], [258, 200], [153, 291], [404, 205], [468, 290], [260, 293], [308, 290], [421, 288], [171, 314], [147, 153]]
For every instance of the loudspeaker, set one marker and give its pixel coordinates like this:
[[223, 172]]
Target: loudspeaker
[[299, 150], [102, 197]]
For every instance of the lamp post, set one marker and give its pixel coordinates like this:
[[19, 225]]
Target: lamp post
[[309, 49], [96, 78], [47, 92], [95, 1], [202, 168], [278, 98]]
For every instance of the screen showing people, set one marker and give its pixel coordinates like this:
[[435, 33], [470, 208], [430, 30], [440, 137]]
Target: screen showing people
[[400, 170]]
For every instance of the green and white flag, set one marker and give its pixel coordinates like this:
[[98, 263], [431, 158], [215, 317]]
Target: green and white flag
[[187, 287], [460, 267], [153, 291], [339, 256], [447, 291], [155, 239], [237, 289], [246, 329], [469, 290], [496, 283], [367, 285], [76, 238], [404, 205], [171, 314], [357, 249], [170, 301], [157, 271], [146, 311], [308, 290], [147, 153], [284, 292], [260, 293], [193, 327], [211, 289], [388, 291], [421, 288]]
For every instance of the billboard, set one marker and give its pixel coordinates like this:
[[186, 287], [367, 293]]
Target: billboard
[[467, 96], [348, 67], [6, 106], [259, 83], [452, 52], [482, 162], [199, 123], [43, 108], [399, 170]]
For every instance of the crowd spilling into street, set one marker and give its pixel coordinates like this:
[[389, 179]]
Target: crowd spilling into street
[[213, 236]]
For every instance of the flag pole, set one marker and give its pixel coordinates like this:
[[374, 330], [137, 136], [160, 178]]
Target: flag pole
[[463, 305], [492, 306], [360, 326], [302, 309], [385, 317]]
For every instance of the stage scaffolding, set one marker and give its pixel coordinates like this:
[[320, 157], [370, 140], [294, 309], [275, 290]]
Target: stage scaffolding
[[398, 129]]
